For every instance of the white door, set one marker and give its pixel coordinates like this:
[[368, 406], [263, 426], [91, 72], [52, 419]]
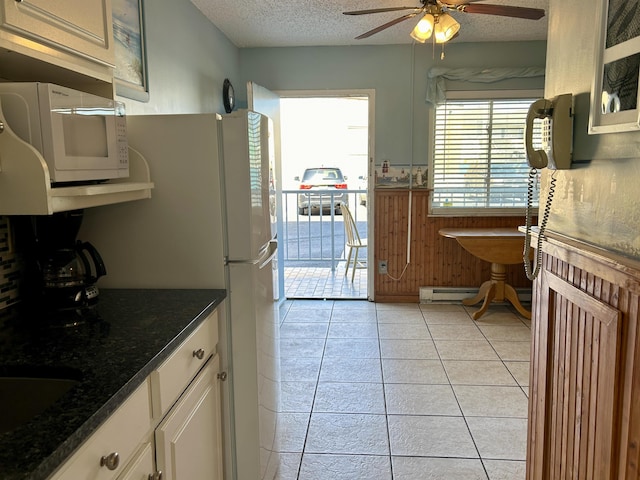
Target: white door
[[262, 100]]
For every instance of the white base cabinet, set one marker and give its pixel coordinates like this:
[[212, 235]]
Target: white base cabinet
[[103, 456], [175, 436], [189, 439]]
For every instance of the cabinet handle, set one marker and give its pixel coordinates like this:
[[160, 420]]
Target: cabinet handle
[[155, 476], [222, 376], [110, 461], [199, 354]]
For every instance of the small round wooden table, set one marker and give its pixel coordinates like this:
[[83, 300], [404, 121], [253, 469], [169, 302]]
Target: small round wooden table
[[500, 247]]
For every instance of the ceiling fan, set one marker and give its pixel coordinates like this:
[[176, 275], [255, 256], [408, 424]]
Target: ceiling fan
[[438, 22]]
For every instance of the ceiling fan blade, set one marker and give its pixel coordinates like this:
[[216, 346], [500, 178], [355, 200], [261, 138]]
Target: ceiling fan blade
[[380, 10], [502, 10], [387, 25]]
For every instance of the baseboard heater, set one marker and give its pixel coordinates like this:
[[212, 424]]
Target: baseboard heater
[[456, 294]]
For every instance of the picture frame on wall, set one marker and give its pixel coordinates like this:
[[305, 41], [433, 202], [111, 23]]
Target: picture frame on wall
[[130, 74], [615, 100]]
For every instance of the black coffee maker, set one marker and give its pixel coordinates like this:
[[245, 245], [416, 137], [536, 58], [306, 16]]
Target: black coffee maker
[[62, 270]]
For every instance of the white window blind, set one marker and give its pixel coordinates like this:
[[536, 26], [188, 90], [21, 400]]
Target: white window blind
[[479, 157]]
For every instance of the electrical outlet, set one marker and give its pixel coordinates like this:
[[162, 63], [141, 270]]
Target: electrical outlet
[[382, 267]]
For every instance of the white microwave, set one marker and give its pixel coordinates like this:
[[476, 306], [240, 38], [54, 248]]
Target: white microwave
[[82, 137]]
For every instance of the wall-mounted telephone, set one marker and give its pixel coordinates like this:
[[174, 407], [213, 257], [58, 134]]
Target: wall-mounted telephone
[[557, 133], [557, 147]]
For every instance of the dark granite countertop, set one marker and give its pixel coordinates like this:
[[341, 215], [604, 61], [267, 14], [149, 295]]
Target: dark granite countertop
[[110, 350]]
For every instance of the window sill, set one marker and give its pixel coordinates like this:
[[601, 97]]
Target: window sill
[[479, 212]]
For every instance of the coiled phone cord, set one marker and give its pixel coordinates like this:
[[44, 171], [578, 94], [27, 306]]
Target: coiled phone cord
[[543, 224]]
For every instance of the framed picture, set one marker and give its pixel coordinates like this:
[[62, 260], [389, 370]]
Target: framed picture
[[614, 94], [400, 176], [129, 42]]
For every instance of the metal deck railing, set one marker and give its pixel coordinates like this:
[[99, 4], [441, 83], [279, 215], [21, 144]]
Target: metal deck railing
[[317, 239]]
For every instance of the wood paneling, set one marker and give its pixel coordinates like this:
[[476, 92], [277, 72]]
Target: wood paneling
[[574, 383], [584, 408], [434, 260]]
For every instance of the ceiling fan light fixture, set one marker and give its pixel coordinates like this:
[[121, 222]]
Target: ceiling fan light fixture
[[445, 28], [423, 29]]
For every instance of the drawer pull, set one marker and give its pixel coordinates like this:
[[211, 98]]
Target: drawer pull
[[111, 461], [155, 476], [222, 376], [199, 354]]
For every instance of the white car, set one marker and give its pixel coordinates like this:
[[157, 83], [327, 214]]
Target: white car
[[321, 187]]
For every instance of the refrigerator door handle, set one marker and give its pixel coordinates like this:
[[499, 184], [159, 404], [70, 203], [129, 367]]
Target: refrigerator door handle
[[266, 255], [269, 253]]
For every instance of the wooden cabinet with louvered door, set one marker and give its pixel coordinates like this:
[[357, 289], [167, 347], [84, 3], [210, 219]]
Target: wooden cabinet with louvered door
[[584, 418]]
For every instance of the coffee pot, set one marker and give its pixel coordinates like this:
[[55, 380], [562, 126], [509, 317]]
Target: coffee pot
[[69, 275], [60, 271]]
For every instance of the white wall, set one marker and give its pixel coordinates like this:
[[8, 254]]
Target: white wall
[[397, 73], [596, 201], [188, 59]]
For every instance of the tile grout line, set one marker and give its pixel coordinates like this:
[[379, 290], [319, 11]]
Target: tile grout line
[[499, 356], [484, 467], [455, 395], [315, 393], [384, 395]]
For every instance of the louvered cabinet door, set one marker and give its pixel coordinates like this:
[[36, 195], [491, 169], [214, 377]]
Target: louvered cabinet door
[[574, 390]]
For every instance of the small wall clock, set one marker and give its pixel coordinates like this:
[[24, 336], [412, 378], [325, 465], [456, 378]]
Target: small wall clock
[[228, 96]]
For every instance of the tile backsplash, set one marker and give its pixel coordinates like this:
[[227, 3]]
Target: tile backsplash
[[9, 266]]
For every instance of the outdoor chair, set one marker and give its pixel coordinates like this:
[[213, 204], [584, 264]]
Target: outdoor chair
[[353, 241]]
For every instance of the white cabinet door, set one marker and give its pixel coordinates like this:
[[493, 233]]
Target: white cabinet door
[[189, 439], [83, 27]]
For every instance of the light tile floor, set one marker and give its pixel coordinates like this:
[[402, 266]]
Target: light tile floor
[[402, 392]]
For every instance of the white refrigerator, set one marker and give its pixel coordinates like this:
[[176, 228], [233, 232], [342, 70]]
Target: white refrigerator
[[210, 223]]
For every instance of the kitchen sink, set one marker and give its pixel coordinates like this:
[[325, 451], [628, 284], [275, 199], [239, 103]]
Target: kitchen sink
[[27, 391]]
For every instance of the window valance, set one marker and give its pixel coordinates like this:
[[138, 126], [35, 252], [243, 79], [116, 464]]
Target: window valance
[[436, 91]]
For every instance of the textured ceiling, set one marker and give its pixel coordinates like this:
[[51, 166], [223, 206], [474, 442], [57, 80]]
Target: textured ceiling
[[284, 23]]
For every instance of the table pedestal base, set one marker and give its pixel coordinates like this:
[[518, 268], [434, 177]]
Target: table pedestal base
[[496, 290]]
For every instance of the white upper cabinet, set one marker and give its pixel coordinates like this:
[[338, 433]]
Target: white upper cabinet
[[74, 34], [81, 26]]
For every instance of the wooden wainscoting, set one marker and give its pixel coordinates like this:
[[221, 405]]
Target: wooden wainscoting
[[584, 401], [435, 261]]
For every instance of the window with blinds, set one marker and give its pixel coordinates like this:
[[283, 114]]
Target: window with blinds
[[479, 157]]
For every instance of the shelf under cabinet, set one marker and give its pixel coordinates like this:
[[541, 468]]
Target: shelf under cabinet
[[25, 186]]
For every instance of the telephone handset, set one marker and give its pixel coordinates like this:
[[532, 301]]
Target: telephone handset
[[557, 133], [538, 109], [557, 143]]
